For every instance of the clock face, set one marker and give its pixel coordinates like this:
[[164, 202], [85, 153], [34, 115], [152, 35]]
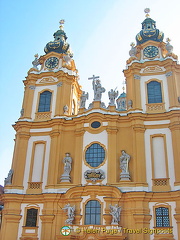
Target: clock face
[[51, 62], [151, 51]]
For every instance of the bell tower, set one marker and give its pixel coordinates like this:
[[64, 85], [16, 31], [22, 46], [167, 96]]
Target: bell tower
[[53, 90], [151, 72]]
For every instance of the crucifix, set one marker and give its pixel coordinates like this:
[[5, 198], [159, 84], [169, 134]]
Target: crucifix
[[98, 89]]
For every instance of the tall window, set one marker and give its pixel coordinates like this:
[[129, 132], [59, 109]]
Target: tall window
[[154, 92], [162, 217], [31, 217], [45, 101], [93, 213]]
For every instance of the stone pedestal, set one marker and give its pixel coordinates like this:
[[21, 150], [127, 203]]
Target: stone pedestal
[[65, 178], [125, 176]]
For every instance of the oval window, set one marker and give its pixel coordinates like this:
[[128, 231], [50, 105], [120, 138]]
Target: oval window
[[95, 124], [95, 155]]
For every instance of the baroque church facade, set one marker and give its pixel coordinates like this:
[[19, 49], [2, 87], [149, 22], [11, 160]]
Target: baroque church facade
[[98, 172]]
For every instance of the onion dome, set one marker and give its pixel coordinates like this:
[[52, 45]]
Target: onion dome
[[59, 44], [149, 30]]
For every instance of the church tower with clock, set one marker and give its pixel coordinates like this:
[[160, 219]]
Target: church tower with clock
[[98, 172]]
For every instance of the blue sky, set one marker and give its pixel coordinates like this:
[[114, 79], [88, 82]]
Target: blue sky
[[99, 32]]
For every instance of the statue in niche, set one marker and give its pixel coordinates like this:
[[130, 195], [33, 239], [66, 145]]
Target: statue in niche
[[8, 180], [67, 168], [124, 165], [124, 161], [84, 97], [66, 108], [112, 96], [115, 212], [98, 90], [70, 212]]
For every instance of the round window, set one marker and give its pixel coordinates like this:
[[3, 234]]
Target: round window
[[95, 155], [95, 124]]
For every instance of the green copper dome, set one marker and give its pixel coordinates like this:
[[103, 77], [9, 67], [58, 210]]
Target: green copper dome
[[149, 31], [59, 44]]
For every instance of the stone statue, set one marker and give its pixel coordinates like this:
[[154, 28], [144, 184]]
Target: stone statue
[[84, 97], [98, 90], [115, 212], [67, 168], [112, 96], [8, 180], [35, 63], [66, 108], [70, 212], [124, 165]]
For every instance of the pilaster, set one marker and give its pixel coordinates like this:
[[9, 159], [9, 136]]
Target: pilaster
[[78, 156], [28, 98], [54, 158], [19, 159], [112, 172], [139, 152]]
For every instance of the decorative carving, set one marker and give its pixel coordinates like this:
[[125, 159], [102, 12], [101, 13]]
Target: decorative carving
[[112, 96], [94, 175], [124, 166], [59, 84], [8, 180], [84, 97], [47, 80], [137, 77], [70, 213], [155, 107], [67, 168], [34, 185], [168, 74], [115, 212], [152, 69], [161, 182], [43, 115], [32, 87]]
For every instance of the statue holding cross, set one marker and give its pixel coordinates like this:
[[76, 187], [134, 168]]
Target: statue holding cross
[[98, 89]]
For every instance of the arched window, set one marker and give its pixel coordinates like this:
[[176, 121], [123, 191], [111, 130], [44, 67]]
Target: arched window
[[45, 101], [93, 213], [31, 217], [154, 92], [162, 217]]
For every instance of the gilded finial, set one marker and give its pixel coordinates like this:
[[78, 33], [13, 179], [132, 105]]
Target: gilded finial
[[62, 21], [36, 55], [147, 11], [168, 40], [132, 44]]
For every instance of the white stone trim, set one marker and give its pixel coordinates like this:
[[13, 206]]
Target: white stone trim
[[41, 130]]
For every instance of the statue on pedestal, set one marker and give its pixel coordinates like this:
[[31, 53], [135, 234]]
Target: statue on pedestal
[[84, 97], [112, 96], [70, 213], [115, 212], [67, 168], [124, 166], [8, 180]]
